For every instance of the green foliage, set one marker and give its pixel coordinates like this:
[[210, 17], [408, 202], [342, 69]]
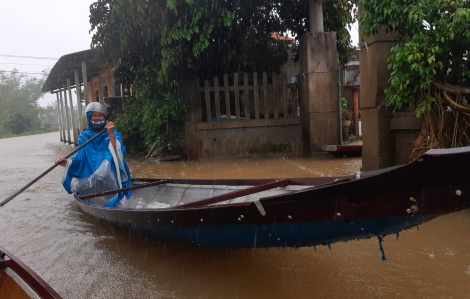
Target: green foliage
[[435, 43], [346, 114], [176, 40], [186, 38], [17, 123], [48, 115], [155, 113], [19, 94]]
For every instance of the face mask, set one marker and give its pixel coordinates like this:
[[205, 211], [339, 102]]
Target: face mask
[[97, 125]]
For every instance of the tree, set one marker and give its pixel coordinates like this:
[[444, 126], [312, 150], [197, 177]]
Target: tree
[[183, 38], [161, 43], [49, 114], [153, 114], [430, 64], [17, 123], [434, 45], [19, 95]]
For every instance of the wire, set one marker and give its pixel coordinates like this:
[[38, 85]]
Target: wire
[[22, 72], [33, 57], [26, 64]]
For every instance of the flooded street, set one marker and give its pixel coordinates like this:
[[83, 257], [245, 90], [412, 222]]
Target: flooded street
[[81, 257]]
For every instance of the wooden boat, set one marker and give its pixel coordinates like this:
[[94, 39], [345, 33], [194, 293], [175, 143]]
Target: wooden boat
[[248, 213], [18, 281]]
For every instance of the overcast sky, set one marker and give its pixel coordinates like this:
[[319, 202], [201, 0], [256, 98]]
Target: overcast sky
[[47, 28], [42, 28]]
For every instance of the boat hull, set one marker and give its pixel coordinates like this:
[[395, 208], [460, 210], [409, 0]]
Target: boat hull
[[334, 209], [294, 235], [19, 281]]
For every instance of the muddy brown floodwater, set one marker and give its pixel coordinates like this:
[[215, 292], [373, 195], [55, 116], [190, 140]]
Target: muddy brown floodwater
[[81, 257]]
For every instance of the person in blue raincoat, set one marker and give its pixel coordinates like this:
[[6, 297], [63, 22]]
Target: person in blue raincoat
[[99, 166]]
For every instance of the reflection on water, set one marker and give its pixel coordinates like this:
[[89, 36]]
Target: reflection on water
[[82, 257], [278, 166]]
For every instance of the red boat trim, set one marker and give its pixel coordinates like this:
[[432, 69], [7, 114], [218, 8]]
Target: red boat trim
[[247, 182], [36, 283]]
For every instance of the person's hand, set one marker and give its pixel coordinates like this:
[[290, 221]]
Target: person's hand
[[61, 161], [110, 127]]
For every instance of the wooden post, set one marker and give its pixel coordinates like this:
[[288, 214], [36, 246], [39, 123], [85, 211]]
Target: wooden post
[[246, 95], [217, 100], [59, 118], [67, 117], [79, 103], [85, 82], [86, 88], [237, 95], [284, 96], [265, 95], [256, 91], [207, 98], [74, 123], [227, 98], [275, 98]]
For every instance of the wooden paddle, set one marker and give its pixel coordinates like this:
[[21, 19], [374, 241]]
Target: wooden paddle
[[47, 171]]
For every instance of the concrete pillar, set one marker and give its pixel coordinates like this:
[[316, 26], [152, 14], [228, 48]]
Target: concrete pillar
[[85, 82], [378, 140], [318, 82], [62, 116], [67, 116], [74, 123], [61, 128], [79, 102], [315, 13]]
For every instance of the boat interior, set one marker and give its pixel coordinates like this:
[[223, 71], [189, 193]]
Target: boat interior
[[178, 195], [164, 194]]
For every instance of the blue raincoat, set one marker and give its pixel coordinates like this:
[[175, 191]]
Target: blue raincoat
[[98, 167]]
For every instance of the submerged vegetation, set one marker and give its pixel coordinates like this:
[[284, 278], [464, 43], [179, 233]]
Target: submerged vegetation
[[157, 45]]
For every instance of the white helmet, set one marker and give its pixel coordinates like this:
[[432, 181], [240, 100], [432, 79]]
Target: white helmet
[[96, 107]]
